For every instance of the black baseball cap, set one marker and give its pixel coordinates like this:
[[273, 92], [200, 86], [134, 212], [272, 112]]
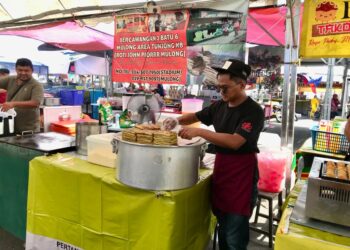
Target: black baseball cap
[[234, 67]]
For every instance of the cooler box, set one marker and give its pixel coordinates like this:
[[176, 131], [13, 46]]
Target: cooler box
[[100, 150], [95, 112], [72, 97]]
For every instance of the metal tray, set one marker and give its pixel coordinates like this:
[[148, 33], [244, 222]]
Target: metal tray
[[327, 199], [324, 171], [50, 142]]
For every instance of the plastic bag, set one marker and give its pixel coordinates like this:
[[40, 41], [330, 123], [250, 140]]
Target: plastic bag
[[272, 170], [105, 110], [125, 120], [10, 112]]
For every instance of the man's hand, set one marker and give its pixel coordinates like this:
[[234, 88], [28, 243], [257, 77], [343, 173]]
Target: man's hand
[[6, 106], [189, 133], [170, 123]]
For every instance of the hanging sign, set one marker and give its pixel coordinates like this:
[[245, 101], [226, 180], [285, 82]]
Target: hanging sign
[[214, 36], [326, 29], [151, 48]]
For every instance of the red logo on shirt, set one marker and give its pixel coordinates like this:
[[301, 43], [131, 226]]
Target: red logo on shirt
[[247, 126]]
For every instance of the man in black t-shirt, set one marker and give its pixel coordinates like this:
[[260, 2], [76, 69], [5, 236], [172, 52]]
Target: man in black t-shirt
[[238, 121], [157, 23]]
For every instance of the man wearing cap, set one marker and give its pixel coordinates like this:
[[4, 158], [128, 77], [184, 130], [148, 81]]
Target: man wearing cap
[[238, 121]]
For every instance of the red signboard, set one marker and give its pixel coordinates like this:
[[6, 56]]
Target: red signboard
[[151, 48]]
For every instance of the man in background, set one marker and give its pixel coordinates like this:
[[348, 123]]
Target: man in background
[[314, 106], [334, 106], [180, 20], [4, 72], [24, 94]]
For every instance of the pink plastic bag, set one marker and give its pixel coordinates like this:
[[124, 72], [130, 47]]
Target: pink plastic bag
[[272, 169]]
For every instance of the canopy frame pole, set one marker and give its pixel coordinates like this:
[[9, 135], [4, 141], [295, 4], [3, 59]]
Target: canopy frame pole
[[108, 83], [326, 114], [291, 58], [345, 92]]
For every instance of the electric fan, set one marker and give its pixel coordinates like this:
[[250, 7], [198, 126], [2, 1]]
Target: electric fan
[[144, 109]]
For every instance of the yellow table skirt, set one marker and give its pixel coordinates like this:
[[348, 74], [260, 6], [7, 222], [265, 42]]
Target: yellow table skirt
[[290, 236], [73, 204]]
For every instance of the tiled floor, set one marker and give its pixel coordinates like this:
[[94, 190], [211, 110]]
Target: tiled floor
[[9, 242]]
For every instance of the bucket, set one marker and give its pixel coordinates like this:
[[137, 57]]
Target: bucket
[[7, 126], [11, 123], [2, 121], [192, 106], [84, 129]]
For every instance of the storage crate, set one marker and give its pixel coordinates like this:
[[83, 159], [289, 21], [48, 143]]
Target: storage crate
[[95, 94], [72, 97], [329, 142]]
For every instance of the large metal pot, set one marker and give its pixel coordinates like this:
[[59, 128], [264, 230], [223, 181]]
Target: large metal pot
[[153, 167], [84, 129]]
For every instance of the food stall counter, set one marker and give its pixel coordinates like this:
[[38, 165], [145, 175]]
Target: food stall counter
[[308, 153], [307, 148], [290, 236], [82, 205], [15, 154]]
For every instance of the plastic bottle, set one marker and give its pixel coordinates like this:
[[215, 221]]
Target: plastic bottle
[[301, 165], [117, 120]]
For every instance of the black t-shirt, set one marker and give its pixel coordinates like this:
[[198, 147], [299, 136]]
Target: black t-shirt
[[157, 24], [247, 120]]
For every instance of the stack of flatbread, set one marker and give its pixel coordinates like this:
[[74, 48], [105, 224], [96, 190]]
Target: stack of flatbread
[[148, 126], [149, 134], [165, 138], [129, 135], [144, 136]]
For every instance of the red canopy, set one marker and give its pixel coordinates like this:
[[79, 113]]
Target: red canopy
[[67, 35], [272, 19], [74, 36]]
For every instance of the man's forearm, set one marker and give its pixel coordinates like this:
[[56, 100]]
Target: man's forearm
[[187, 119], [232, 141], [347, 129], [26, 104]]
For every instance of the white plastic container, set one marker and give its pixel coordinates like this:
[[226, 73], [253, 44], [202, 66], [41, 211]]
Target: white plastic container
[[100, 150], [191, 105]]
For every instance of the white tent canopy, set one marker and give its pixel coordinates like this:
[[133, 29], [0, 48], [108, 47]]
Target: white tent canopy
[[91, 65], [30, 12], [16, 47]]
